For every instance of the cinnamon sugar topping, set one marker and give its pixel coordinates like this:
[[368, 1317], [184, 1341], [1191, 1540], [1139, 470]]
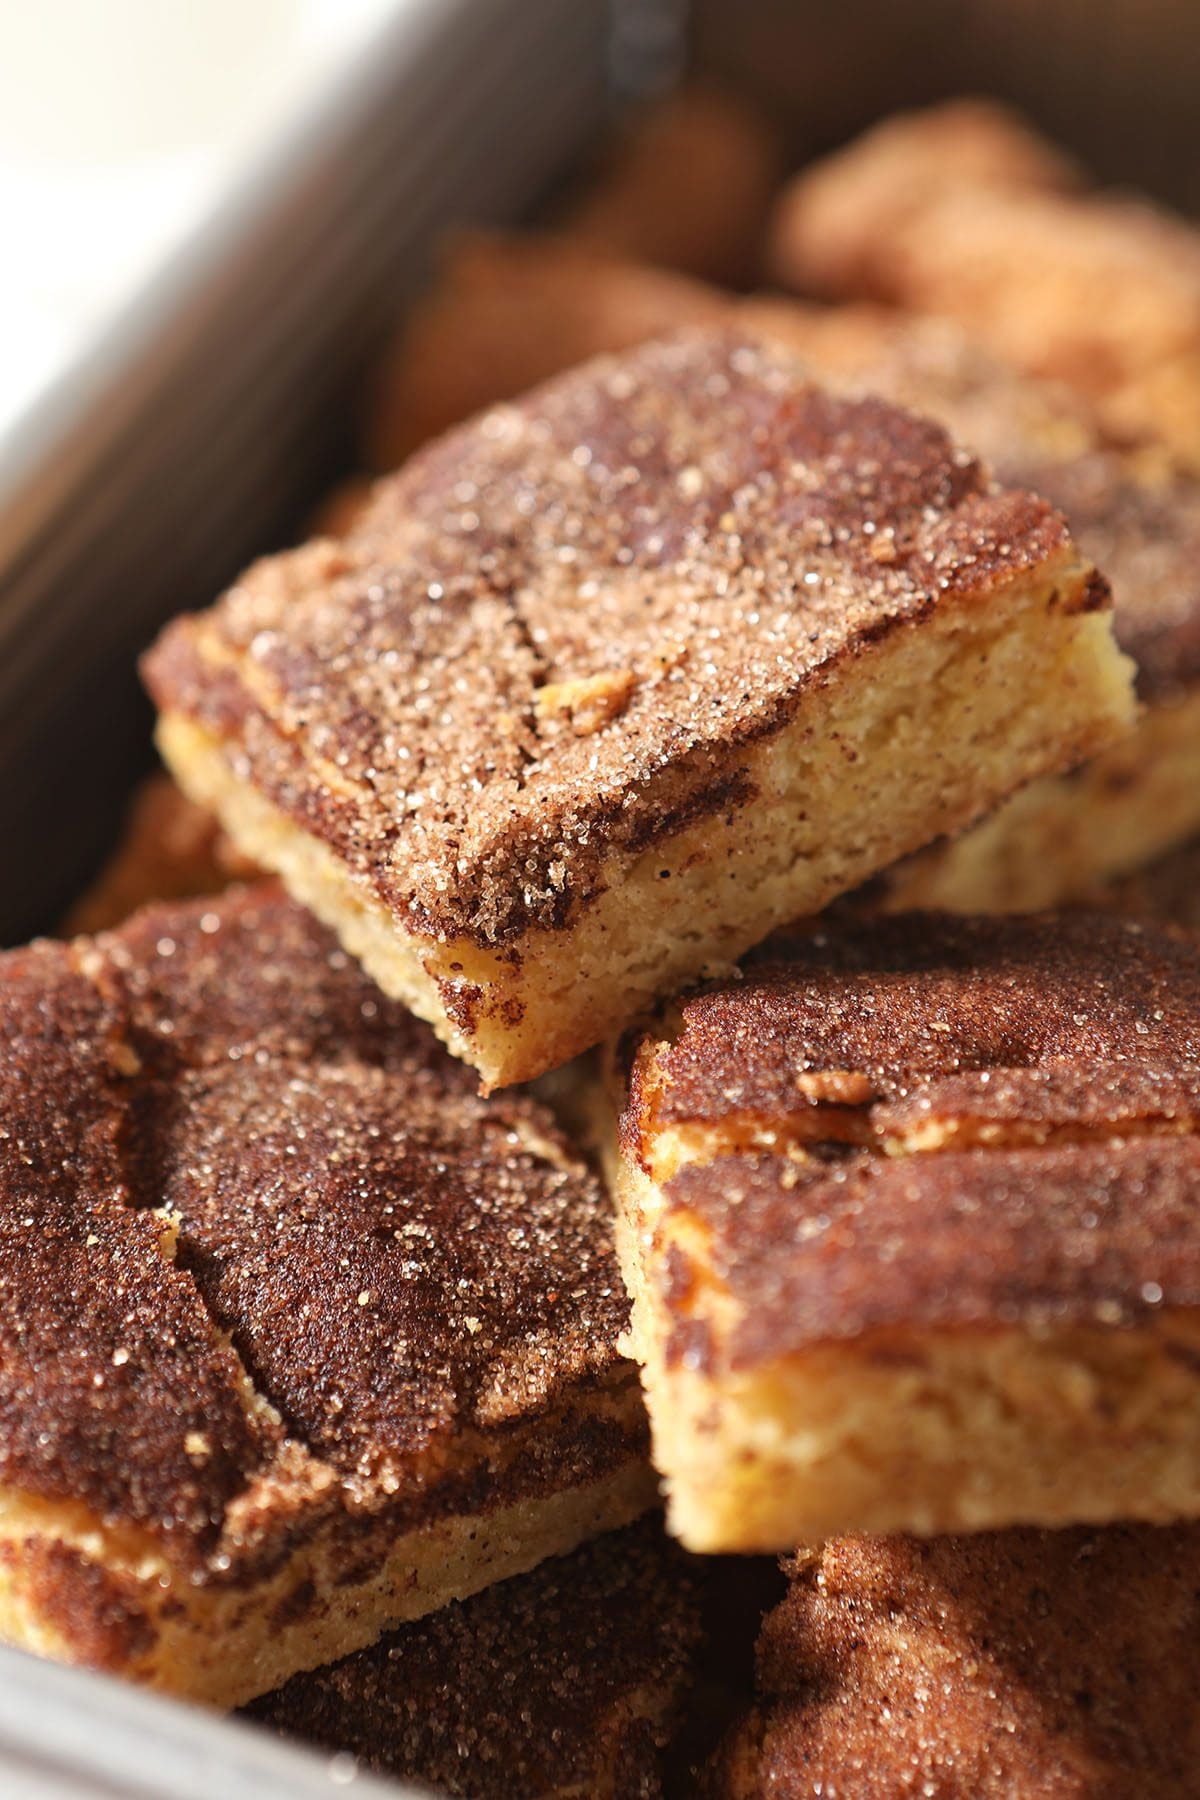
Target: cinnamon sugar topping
[[224, 1154], [691, 526]]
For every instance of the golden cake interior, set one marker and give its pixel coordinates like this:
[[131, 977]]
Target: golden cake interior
[[905, 1214], [1130, 511], [905, 1211], [1061, 838], [1136, 517]]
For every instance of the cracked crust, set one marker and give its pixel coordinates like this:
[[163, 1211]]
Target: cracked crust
[[906, 1216], [1044, 1664], [1134, 517], [673, 520], [261, 1156], [566, 1681], [1137, 519], [712, 539]]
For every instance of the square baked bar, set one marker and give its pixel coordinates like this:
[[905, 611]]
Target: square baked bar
[[613, 681], [298, 1336], [908, 1214]]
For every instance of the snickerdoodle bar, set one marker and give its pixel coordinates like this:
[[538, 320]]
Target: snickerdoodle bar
[[614, 680], [908, 1214], [298, 1336]]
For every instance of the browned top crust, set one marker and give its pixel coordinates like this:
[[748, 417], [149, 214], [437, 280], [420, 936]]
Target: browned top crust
[[1137, 520], [917, 1019], [1049, 1665], [330, 1180], [567, 1678], [931, 365], [693, 525], [109, 1363], [1091, 1234], [251, 978], [926, 1122]]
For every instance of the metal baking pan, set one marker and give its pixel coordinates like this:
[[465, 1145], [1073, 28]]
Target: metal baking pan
[[220, 411], [65, 1733]]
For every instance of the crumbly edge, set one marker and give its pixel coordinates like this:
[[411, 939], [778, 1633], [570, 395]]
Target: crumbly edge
[[82, 1593], [941, 1431], [918, 736], [1061, 836], [970, 1433]]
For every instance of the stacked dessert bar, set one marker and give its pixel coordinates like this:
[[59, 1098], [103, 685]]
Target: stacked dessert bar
[[572, 1107]]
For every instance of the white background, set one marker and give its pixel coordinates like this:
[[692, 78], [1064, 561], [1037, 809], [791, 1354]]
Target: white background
[[124, 126]]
